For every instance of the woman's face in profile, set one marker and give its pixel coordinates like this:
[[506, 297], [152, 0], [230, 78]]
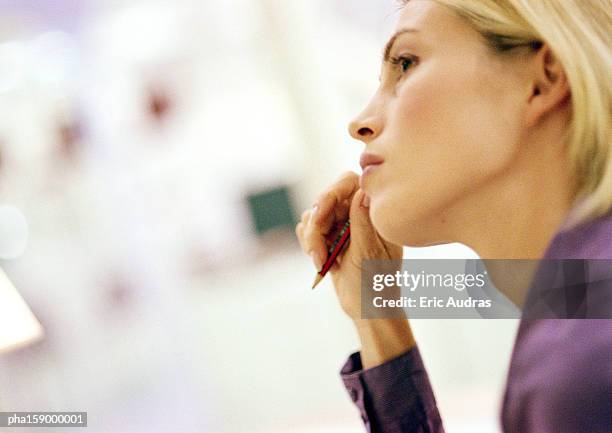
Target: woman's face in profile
[[447, 121]]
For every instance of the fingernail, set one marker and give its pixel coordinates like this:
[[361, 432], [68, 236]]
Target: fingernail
[[313, 214]]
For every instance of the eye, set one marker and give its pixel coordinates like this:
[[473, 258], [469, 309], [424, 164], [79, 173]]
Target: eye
[[403, 63]]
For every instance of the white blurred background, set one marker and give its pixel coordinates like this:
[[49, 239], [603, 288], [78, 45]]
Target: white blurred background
[[132, 134]]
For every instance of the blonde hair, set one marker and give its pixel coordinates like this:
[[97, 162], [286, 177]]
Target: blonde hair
[[579, 32]]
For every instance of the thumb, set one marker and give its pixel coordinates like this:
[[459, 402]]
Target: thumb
[[362, 231]]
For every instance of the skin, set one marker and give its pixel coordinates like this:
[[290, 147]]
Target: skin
[[473, 148]]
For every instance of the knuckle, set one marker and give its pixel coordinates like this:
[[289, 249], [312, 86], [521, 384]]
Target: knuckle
[[305, 243], [309, 229], [347, 175], [324, 196]]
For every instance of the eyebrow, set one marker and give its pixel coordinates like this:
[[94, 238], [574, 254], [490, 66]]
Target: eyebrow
[[391, 43], [387, 51]]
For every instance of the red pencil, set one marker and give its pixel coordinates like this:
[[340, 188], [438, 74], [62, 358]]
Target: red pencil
[[334, 250]]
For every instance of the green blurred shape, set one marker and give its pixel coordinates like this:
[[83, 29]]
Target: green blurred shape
[[272, 209]]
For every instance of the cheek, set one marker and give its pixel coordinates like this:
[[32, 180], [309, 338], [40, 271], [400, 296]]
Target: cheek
[[450, 119], [456, 122], [446, 137]]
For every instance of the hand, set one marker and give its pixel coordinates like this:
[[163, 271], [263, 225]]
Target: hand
[[319, 227]]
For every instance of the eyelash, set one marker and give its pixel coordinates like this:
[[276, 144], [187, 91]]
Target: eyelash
[[399, 61]]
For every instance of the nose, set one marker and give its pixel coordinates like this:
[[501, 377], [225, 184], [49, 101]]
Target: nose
[[367, 125]]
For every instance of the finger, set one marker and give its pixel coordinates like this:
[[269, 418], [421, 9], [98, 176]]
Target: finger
[[305, 245], [337, 217], [334, 204], [315, 242], [299, 228], [299, 232], [306, 229], [341, 211], [337, 192], [362, 229], [311, 240]]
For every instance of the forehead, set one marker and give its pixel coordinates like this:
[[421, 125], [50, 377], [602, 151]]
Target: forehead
[[429, 17]]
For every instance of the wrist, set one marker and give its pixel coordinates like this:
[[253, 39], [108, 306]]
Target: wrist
[[394, 325], [383, 339]]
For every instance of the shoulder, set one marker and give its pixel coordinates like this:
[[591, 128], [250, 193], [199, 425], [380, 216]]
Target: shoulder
[[581, 390], [590, 240], [561, 375], [574, 278]]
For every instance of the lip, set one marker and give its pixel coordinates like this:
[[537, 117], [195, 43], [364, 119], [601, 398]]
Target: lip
[[369, 162], [368, 159]]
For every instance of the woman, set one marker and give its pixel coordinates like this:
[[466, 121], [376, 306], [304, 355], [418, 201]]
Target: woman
[[490, 127]]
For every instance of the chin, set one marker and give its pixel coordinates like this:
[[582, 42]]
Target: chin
[[388, 224], [400, 227]]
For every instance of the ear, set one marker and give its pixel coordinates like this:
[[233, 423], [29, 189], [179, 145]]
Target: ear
[[549, 86]]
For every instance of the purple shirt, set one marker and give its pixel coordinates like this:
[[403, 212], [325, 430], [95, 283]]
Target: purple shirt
[[560, 376]]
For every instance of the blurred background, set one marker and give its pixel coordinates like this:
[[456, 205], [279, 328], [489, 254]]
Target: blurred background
[[154, 157]]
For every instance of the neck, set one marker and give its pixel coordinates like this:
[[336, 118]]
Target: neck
[[516, 215]]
